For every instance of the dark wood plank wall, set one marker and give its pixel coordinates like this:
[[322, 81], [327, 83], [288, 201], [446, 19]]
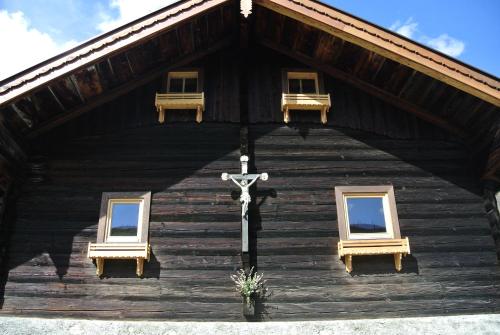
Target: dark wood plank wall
[[195, 227], [195, 216], [6, 180], [352, 108], [453, 267]]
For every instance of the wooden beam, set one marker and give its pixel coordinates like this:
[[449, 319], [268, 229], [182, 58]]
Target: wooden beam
[[369, 88], [125, 88], [389, 45], [58, 102], [27, 119]]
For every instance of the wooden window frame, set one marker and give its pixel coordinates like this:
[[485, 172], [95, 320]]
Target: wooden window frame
[[390, 211], [301, 73], [104, 227], [184, 74]]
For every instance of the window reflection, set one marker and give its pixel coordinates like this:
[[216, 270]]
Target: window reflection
[[366, 215], [124, 219]]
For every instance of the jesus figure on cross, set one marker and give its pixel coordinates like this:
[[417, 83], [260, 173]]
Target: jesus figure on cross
[[244, 181]]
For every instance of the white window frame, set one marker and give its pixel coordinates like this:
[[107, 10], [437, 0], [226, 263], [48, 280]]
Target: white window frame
[[302, 75], [116, 239], [389, 233], [183, 75]]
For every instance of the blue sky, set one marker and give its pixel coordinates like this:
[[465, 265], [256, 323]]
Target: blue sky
[[34, 30]]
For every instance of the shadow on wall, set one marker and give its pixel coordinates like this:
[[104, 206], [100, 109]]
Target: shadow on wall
[[63, 211], [382, 264]]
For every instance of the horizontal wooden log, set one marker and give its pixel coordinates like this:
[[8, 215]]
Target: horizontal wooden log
[[195, 227]]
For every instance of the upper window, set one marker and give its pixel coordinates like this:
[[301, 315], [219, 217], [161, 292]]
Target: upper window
[[182, 82], [367, 212], [303, 82], [124, 217]]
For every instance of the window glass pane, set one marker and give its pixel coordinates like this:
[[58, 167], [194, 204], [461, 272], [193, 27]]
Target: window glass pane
[[124, 219], [293, 85], [191, 85], [176, 85], [366, 215], [308, 86]]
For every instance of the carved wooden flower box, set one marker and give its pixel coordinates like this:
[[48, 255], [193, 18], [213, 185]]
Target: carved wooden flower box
[[102, 251], [299, 101], [164, 101], [397, 247]]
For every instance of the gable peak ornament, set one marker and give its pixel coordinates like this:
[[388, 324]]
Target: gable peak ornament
[[246, 7]]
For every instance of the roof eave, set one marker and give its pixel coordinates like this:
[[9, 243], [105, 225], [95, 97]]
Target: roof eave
[[389, 45], [105, 45]]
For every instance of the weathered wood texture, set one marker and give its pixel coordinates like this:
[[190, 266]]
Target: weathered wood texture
[[351, 107], [6, 181], [194, 230], [391, 81]]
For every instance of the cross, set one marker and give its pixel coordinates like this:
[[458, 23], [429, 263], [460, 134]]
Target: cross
[[244, 181]]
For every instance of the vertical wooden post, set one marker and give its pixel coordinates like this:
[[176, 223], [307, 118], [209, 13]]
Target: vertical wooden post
[[140, 267], [199, 115], [100, 266], [397, 261], [243, 63], [324, 118], [348, 263], [286, 115], [161, 117]]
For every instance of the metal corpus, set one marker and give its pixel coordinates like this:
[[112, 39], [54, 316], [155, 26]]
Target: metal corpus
[[244, 181]]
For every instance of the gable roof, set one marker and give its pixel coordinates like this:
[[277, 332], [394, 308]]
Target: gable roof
[[390, 45], [316, 14], [104, 45], [416, 79]]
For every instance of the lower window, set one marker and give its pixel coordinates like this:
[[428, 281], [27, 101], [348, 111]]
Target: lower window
[[124, 217], [366, 212]]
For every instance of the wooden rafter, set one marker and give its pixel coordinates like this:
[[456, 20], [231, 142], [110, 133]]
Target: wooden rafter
[[389, 45], [125, 88], [369, 88]]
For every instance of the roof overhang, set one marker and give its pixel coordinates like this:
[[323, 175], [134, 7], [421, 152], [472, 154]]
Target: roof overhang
[[102, 46], [390, 45], [455, 97]]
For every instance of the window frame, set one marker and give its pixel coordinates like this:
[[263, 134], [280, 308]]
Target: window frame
[[342, 193], [104, 226], [295, 74], [187, 74]]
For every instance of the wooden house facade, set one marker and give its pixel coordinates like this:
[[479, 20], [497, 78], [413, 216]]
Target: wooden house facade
[[399, 114]]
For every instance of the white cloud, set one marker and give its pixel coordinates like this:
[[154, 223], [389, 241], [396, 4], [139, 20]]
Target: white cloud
[[24, 46], [407, 29], [447, 45], [444, 43], [129, 10]]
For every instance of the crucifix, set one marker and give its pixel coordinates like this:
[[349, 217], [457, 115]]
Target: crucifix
[[244, 181]]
